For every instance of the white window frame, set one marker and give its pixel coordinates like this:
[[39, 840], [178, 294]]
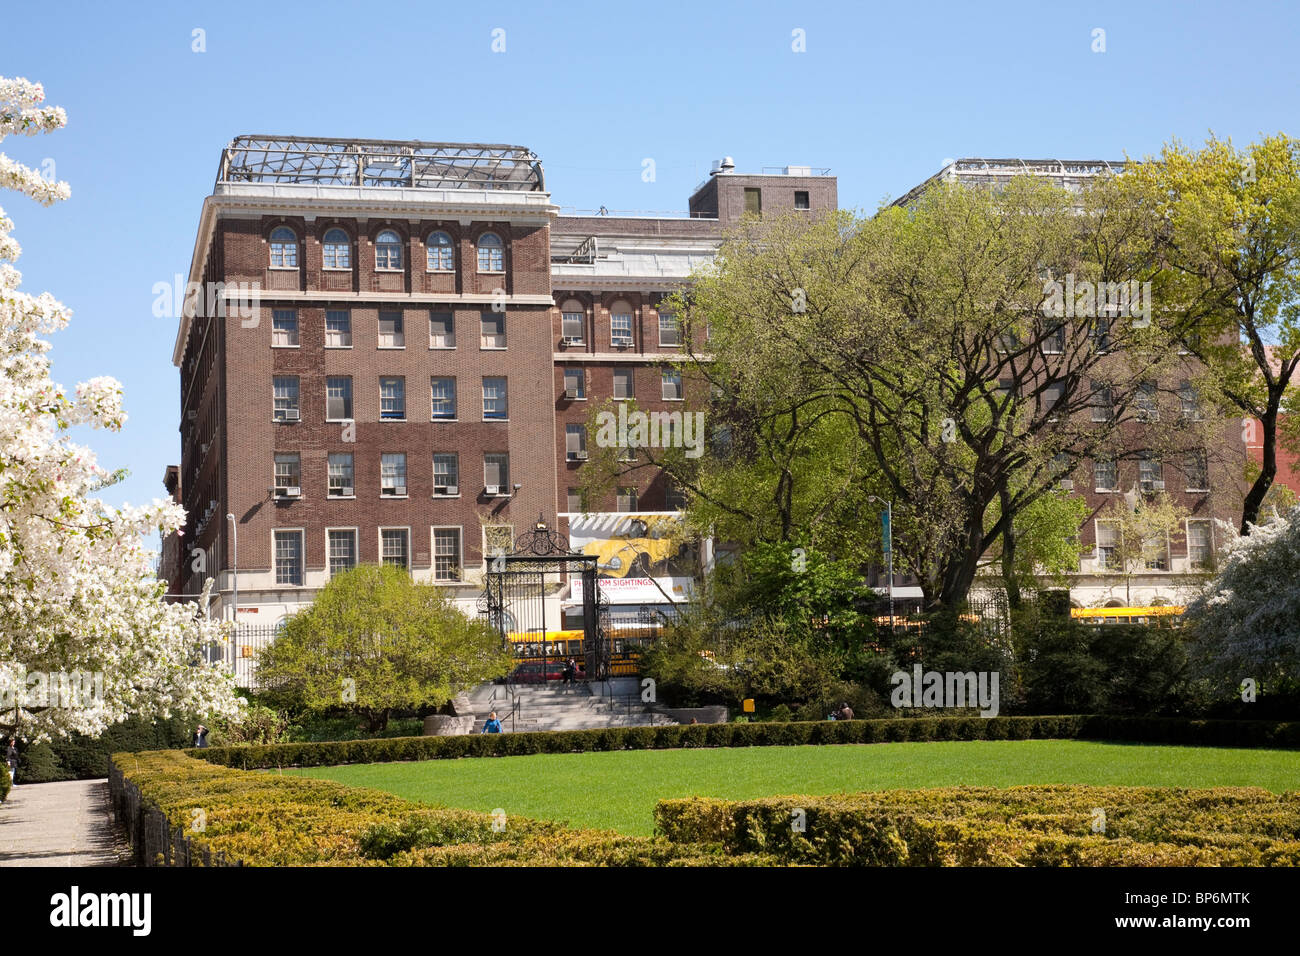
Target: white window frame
[[399, 478], [631, 384], [1208, 524], [297, 398], [1102, 564], [1096, 486], [379, 534], [569, 313], [329, 555], [455, 457], [302, 556], [1203, 462], [1155, 466], [343, 339], [401, 380], [581, 373], [460, 553], [503, 398], [676, 331], [284, 250], [398, 335], [449, 337], [386, 250], [455, 410], [330, 250], [505, 486], [329, 477], [285, 338], [296, 474], [668, 376], [350, 398], [495, 341], [1146, 565], [617, 338], [436, 252], [491, 253]]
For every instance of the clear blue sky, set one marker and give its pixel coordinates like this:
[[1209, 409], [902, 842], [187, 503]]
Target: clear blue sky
[[883, 95]]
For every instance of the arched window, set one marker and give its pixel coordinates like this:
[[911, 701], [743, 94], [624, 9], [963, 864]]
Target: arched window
[[491, 253], [388, 250], [284, 248], [338, 250], [440, 253]]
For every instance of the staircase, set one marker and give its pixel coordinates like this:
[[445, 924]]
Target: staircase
[[557, 707]]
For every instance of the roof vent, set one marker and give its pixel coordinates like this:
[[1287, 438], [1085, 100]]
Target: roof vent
[[728, 164]]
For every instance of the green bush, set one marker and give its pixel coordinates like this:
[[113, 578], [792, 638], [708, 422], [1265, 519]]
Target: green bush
[[1219, 733], [5, 783], [79, 757], [1021, 826]]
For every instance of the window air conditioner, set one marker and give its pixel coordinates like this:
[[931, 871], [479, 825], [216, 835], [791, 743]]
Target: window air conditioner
[[577, 456], [291, 415], [570, 393], [1066, 484], [345, 492], [492, 489], [292, 491], [1157, 486], [453, 490]]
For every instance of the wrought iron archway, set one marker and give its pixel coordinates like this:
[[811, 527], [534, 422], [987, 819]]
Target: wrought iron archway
[[515, 593]]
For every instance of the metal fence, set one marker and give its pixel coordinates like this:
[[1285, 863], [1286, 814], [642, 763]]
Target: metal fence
[[239, 651]]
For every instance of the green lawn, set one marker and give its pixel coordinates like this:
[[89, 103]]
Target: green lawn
[[618, 790]]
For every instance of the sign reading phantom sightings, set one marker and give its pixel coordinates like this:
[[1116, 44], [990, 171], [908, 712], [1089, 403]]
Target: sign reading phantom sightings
[[640, 558]]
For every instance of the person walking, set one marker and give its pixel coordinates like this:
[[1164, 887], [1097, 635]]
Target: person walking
[[492, 725], [201, 736], [11, 760]]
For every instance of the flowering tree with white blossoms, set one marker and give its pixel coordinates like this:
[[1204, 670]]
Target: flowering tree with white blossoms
[[1246, 621], [86, 639]]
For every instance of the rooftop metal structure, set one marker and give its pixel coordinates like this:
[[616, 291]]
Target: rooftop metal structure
[[378, 162], [975, 171]]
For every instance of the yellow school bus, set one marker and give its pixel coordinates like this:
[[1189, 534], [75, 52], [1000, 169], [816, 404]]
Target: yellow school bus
[[1166, 614], [624, 659]]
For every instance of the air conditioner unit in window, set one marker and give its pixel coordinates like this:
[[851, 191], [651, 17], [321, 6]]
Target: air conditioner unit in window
[[1157, 486], [577, 456], [1065, 484], [622, 343], [290, 415], [344, 492], [492, 489], [289, 491], [570, 393], [453, 489], [571, 340]]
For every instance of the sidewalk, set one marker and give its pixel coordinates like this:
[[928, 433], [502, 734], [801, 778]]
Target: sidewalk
[[58, 824]]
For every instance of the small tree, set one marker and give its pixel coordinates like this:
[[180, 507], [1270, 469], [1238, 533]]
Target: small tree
[[1142, 525], [375, 640]]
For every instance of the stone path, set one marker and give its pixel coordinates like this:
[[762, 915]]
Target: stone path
[[59, 824]]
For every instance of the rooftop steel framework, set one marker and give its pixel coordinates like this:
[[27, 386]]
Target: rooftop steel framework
[[975, 171], [377, 162]]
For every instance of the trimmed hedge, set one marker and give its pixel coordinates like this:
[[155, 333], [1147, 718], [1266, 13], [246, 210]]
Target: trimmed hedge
[[262, 819], [1018, 826], [1225, 733], [5, 783]]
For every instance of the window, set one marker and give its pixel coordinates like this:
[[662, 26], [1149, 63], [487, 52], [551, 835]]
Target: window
[[446, 554], [338, 398], [627, 499], [446, 474], [338, 329], [1148, 409], [1052, 395], [496, 473], [801, 199], [672, 385], [284, 328], [336, 249], [1155, 552], [1108, 545], [498, 539], [1054, 338], [623, 383], [1189, 343], [388, 251], [284, 248], [491, 253], [495, 407], [1103, 405], [1105, 475], [1200, 547], [1189, 402], [492, 330], [754, 201], [620, 325], [392, 398], [340, 475], [1151, 472], [1101, 334], [288, 475], [286, 399], [574, 501], [442, 330], [575, 383], [391, 334], [342, 549], [573, 322], [440, 254], [669, 334], [288, 558], [392, 474], [1008, 341], [674, 497], [575, 442], [443, 392], [395, 546], [1196, 470]]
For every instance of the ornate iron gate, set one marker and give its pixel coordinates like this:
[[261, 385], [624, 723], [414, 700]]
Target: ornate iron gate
[[515, 593]]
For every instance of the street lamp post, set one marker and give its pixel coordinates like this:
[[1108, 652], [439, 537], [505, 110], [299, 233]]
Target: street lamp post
[[234, 635], [887, 537]]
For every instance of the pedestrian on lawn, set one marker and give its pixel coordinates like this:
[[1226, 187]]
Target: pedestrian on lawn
[[492, 725]]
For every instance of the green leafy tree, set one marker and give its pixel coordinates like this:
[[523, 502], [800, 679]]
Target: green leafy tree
[[1227, 232], [375, 640]]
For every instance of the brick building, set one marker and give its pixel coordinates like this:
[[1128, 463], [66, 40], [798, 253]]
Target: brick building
[[410, 380]]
